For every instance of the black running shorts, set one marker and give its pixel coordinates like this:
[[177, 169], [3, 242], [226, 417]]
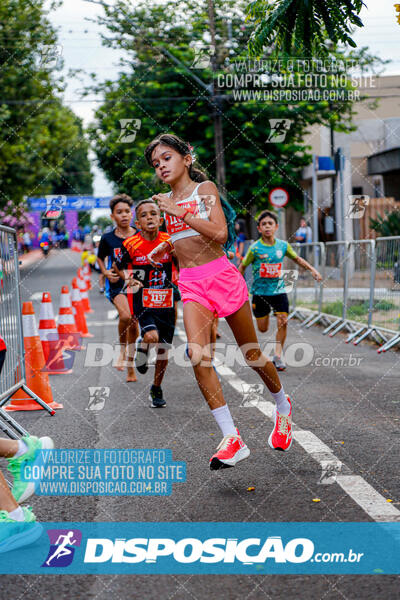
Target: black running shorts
[[161, 319], [262, 305]]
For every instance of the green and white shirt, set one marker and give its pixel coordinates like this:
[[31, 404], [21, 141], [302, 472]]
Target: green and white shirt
[[266, 262]]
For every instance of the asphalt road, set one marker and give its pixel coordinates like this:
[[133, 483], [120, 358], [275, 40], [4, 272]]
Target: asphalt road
[[346, 398]]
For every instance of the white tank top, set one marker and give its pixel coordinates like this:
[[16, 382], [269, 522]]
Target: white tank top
[[177, 228]]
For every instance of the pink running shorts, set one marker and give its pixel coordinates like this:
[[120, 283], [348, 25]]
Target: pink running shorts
[[217, 285]]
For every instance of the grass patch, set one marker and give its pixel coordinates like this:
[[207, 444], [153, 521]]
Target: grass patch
[[356, 308], [333, 308]]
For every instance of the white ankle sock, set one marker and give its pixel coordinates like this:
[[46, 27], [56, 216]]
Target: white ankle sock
[[17, 514], [282, 404], [224, 420], [22, 448]]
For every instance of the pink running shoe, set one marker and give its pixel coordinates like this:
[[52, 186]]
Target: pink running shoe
[[230, 451], [281, 435]]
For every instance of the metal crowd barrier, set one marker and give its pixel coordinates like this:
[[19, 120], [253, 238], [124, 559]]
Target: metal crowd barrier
[[13, 375], [336, 285], [361, 282], [386, 301], [306, 289], [360, 296]]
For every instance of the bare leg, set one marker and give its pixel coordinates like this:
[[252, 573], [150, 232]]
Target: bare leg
[[214, 331], [8, 448], [161, 366], [281, 323], [198, 323], [124, 313], [217, 333], [132, 335], [263, 324], [242, 327], [7, 500], [151, 338]]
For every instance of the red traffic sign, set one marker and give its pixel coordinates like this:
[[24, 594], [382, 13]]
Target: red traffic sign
[[278, 197]]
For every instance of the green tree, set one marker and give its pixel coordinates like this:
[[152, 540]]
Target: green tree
[[74, 176], [157, 95], [38, 135], [103, 222], [302, 25], [387, 224]]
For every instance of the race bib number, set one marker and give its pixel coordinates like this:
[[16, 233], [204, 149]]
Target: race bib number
[[174, 224], [153, 298], [270, 270]]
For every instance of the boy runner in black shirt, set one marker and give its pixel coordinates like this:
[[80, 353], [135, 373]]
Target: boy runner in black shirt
[[108, 251]]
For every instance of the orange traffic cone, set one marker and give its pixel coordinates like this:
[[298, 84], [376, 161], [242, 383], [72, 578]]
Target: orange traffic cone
[[52, 345], [78, 310], [36, 379], [66, 325], [83, 288], [76, 245], [87, 273]]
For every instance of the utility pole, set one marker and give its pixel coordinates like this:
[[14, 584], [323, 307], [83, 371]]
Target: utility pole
[[333, 179], [217, 106], [216, 101]]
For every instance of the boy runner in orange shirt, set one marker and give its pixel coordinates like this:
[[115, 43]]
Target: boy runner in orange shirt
[[154, 293]]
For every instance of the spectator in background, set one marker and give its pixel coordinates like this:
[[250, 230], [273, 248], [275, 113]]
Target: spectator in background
[[54, 238], [20, 240], [27, 241], [44, 235], [61, 236], [241, 238], [303, 235]]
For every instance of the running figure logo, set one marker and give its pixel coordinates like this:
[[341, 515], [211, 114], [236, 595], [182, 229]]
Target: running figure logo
[[279, 129], [357, 206], [62, 547], [97, 397], [129, 129], [289, 277], [50, 56], [252, 394], [202, 56]]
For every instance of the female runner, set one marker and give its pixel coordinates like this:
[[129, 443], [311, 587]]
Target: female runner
[[211, 286]]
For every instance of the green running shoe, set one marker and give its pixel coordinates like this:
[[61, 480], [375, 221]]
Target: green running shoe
[[22, 490], [14, 534]]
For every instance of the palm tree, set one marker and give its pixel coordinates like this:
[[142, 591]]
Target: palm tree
[[304, 26]]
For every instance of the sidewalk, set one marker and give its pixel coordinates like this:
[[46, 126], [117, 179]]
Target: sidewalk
[[25, 260]]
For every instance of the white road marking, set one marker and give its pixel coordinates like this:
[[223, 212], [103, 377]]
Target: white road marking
[[112, 314], [373, 503], [311, 443]]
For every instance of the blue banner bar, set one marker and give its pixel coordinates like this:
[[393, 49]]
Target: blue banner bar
[[206, 548], [68, 202]]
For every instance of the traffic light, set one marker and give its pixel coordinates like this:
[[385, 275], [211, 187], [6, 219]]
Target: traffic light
[[397, 7]]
